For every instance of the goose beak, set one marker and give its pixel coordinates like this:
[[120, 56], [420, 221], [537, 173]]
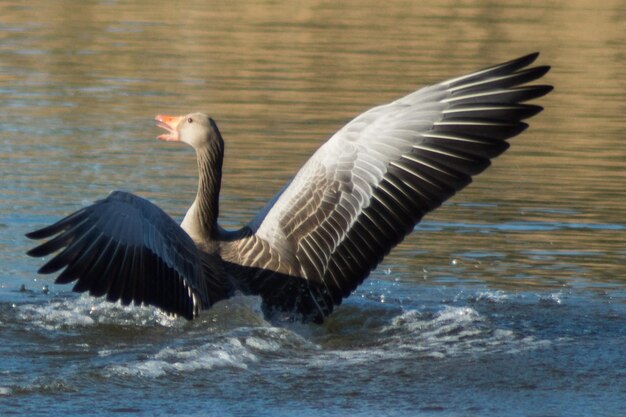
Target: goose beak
[[169, 123]]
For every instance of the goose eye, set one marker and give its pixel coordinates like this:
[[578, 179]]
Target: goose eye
[[189, 120]]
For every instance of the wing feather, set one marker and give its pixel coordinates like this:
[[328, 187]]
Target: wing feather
[[128, 249], [367, 186]]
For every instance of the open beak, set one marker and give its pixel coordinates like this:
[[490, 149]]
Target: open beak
[[169, 123]]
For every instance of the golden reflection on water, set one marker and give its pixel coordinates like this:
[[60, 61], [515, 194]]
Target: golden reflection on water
[[81, 81]]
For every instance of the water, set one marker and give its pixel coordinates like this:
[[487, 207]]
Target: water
[[509, 300]]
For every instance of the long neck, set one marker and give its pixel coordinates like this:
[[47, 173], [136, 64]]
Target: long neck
[[201, 219]]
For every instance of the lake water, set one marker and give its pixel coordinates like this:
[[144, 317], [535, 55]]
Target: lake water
[[508, 300]]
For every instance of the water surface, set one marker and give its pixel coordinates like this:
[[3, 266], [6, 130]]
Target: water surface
[[509, 300]]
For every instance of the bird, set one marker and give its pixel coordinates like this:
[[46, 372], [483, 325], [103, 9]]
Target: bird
[[322, 234]]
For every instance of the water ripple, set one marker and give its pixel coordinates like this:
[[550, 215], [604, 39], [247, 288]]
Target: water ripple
[[518, 226]]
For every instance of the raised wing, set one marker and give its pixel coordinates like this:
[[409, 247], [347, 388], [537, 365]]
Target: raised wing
[[367, 187], [128, 249]]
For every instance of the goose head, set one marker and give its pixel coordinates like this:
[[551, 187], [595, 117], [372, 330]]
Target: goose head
[[194, 129]]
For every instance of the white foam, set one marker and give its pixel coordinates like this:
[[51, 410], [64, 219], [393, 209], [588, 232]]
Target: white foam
[[237, 348], [229, 353], [443, 322], [412, 334], [553, 298], [453, 331], [242, 337], [492, 296], [260, 344], [53, 316], [87, 311]]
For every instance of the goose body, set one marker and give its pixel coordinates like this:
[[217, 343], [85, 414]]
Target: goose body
[[356, 198]]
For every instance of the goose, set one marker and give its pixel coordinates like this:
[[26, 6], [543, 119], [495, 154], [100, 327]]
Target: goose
[[356, 198]]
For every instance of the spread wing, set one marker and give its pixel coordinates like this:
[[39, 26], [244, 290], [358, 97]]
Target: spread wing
[[367, 187], [128, 249]]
